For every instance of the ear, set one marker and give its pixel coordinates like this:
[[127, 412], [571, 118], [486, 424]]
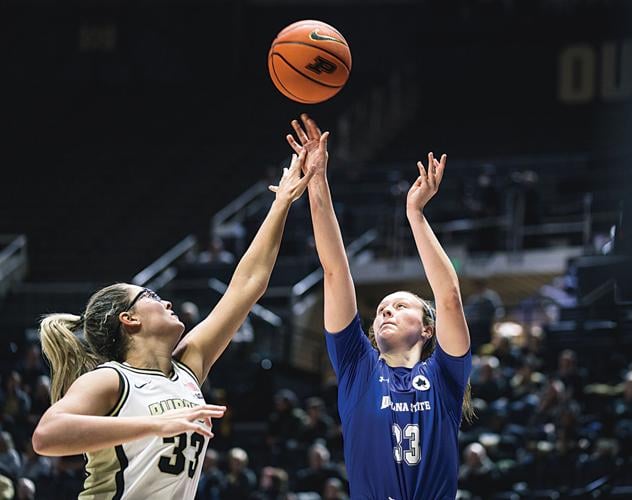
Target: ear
[[427, 332], [128, 320]]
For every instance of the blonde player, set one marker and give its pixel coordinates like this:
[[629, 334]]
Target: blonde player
[[129, 364], [401, 389]]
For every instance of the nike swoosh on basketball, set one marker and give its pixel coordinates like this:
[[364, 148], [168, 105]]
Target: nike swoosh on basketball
[[315, 35], [141, 385]]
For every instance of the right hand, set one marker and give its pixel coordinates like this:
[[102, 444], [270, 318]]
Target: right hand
[[314, 142], [292, 185], [195, 419]]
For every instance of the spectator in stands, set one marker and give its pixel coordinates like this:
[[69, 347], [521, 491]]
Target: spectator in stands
[[319, 425], [335, 490], [213, 479], [320, 468], [392, 398], [241, 481], [273, 485], [571, 374], [602, 462], [483, 307], [7, 487], [550, 401], [37, 468], [15, 404], [133, 336], [26, 489], [189, 314], [215, 252], [40, 401], [10, 460], [285, 426], [478, 474], [31, 366], [487, 382]]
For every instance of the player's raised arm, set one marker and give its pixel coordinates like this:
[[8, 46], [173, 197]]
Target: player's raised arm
[[450, 327], [339, 292], [204, 344]]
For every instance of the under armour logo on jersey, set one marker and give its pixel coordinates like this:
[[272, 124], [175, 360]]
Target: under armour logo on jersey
[[421, 383], [383, 379]]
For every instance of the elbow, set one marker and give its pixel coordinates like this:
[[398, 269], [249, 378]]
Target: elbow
[[451, 298], [39, 442], [257, 286]]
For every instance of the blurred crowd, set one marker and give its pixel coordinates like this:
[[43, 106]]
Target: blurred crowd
[[546, 421]]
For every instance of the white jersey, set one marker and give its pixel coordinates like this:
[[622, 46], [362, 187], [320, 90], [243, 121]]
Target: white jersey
[[151, 467]]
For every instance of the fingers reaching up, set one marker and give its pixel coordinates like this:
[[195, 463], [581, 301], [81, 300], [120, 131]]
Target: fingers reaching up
[[310, 138], [292, 185], [427, 183]]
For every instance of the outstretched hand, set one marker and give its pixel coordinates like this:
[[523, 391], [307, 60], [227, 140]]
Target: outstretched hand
[[427, 184], [313, 142], [292, 185], [196, 419]]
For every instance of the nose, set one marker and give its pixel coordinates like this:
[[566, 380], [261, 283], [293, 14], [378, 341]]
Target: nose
[[387, 312], [168, 304]]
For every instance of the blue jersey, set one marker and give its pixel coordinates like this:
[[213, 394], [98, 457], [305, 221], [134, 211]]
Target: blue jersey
[[399, 425]]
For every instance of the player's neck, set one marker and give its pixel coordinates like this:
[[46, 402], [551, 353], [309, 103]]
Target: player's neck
[[405, 359], [149, 359]]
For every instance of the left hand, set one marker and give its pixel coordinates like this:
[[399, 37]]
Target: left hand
[[292, 185], [313, 141], [427, 184]]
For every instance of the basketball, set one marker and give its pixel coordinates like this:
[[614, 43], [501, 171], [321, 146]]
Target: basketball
[[309, 61]]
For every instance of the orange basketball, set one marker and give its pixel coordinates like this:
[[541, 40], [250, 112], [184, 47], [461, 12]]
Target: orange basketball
[[309, 61]]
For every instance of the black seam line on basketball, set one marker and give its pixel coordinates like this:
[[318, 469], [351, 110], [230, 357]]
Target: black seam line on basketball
[[307, 76], [315, 47], [302, 101]]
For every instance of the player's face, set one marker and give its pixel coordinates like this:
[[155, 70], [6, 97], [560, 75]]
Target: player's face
[[155, 312], [398, 322]]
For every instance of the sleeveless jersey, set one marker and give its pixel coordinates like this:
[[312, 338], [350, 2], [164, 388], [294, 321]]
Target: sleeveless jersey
[[151, 467], [399, 425]]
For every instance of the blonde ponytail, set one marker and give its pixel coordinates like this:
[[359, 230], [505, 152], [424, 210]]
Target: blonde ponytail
[[68, 355]]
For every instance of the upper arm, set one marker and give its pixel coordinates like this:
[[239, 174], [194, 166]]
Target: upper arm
[[340, 300], [450, 327], [94, 393]]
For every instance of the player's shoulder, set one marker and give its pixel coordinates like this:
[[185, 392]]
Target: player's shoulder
[[102, 379]]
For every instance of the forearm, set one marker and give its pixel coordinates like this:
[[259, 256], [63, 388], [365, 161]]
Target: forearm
[[327, 234], [439, 270], [65, 434], [256, 265]]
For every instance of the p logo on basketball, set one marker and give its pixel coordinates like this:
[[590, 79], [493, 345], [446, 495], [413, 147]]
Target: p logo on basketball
[[309, 61]]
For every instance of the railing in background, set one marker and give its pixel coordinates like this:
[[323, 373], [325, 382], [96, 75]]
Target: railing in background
[[160, 272], [257, 310], [229, 221], [13, 261]]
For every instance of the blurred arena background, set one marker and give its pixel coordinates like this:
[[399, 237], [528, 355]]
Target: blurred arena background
[[138, 142]]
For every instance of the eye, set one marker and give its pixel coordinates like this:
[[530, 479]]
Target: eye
[[400, 306]]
